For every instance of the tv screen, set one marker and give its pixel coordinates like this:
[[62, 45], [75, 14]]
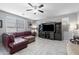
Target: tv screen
[[48, 27]]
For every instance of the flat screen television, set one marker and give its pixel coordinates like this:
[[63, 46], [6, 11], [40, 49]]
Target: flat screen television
[[49, 27]]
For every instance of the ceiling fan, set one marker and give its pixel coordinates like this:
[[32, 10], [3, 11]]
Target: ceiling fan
[[35, 8]]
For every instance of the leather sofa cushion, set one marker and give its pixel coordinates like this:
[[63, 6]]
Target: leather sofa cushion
[[18, 40], [28, 37]]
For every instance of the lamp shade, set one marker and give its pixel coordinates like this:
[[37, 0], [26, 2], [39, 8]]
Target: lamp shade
[[34, 26], [72, 27]]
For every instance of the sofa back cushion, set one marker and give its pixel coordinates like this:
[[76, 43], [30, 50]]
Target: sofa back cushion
[[18, 34], [27, 33]]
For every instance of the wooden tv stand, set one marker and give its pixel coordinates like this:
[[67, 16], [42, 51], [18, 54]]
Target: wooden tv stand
[[53, 35]]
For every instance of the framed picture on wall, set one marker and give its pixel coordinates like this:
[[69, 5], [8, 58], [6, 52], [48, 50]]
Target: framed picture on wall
[[0, 23]]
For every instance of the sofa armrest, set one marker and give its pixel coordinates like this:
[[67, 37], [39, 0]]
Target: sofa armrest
[[11, 45]]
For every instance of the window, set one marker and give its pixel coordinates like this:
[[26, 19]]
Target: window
[[15, 25], [10, 25], [20, 25]]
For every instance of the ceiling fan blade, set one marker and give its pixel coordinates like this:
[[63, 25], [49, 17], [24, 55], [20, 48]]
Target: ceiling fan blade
[[41, 6], [30, 4], [28, 9], [41, 11]]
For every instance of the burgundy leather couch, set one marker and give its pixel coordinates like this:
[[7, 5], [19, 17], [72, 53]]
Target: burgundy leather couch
[[9, 41]]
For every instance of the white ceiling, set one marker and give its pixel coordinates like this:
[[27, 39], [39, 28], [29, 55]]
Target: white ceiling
[[50, 9]]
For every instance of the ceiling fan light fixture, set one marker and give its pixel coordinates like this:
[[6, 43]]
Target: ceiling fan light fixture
[[35, 8]]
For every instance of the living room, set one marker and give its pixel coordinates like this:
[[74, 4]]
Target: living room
[[39, 28]]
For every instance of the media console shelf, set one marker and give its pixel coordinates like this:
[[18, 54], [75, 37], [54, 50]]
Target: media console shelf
[[54, 34]]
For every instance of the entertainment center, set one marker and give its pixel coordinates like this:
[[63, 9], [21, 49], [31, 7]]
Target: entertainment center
[[52, 30]]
